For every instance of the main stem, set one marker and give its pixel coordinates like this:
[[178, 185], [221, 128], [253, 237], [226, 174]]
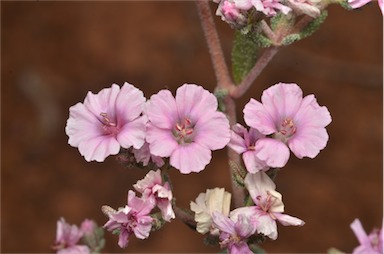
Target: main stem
[[224, 81]]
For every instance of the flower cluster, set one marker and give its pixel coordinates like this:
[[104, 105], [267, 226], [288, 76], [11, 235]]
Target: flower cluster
[[135, 218], [72, 239], [281, 122], [236, 228], [185, 128], [371, 243]]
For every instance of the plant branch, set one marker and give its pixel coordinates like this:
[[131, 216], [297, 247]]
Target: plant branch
[[185, 217], [261, 63], [220, 67]]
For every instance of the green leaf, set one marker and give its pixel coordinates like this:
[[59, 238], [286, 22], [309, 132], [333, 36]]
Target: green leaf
[[313, 25], [291, 38], [244, 55]]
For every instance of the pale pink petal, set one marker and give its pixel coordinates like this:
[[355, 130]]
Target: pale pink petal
[[237, 142], [256, 116], [240, 248], [143, 228], [252, 163], [123, 239], [194, 102], [165, 207], [223, 223], [132, 134], [244, 226], [274, 152], [212, 131], [151, 179], [99, 148], [308, 142], [287, 220], [311, 114], [161, 141], [82, 125], [258, 184], [190, 158], [358, 3], [282, 100], [129, 103], [244, 4], [76, 249], [360, 233], [103, 102], [267, 226], [162, 110]]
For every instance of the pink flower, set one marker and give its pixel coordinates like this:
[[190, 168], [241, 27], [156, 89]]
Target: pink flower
[[133, 218], [244, 142], [152, 187], [144, 156], [88, 226], [268, 207], [107, 121], [234, 232], [268, 7], [291, 120], [186, 127], [372, 243], [67, 239]]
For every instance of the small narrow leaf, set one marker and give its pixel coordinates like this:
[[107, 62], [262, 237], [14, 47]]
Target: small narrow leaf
[[314, 25]]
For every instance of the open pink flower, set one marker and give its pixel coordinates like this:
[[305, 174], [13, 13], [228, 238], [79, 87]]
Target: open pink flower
[[291, 120], [186, 127], [107, 121], [244, 142], [67, 239], [134, 218], [372, 243], [152, 187], [268, 206], [234, 232]]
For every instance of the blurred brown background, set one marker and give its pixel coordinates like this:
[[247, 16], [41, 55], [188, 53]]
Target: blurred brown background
[[54, 52]]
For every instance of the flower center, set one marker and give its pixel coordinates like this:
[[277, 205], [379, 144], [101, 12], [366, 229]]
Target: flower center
[[265, 204], [286, 129], [109, 127], [183, 131]]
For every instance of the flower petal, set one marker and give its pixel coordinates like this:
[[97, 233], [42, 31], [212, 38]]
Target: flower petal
[[237, 141], [223, 223], [360, 233], [133, 133], [252, 163], [194, 101], [267, 226], [99, 148], [129, 103], [212, 131], [190, 158], [161, 110], [308, 142], [274, 152], [287, 220], [161, 141], [258, 184], [256, 116]]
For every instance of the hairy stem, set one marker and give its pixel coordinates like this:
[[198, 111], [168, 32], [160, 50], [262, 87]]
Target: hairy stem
[[261, 63], [219, 65], [185, 216]]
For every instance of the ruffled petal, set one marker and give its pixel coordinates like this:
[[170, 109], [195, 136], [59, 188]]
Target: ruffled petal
[[308, 142], [267, 226], [161, 110], [129, 103], [99, 148], [194, 102], [258, 184], [237, 141], [212, 131], [252, 163], [287, 220], [133, 133], [223, 223], [82, 125], [103, 102], [274, 152], [282, 101], [161, 141], [256, 116], [190, 158]]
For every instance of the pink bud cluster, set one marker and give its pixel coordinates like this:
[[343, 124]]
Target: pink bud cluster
[[135, 218]]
